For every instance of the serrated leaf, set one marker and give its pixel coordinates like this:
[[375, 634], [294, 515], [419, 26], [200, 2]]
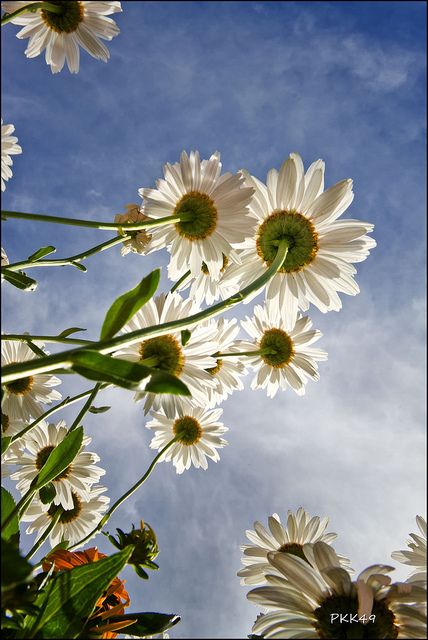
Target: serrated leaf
[[5, 442], [59, 458], [68, 332], [98, 409], [72, 597], [185, 336], [14, 568], [47, 493], [79, 266], [127, 305], [162, 382], [19, 280], [41, 253], [148, 623], [7, 506], [122, 373]]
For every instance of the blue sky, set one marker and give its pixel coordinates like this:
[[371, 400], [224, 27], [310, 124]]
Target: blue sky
[[341, 81]]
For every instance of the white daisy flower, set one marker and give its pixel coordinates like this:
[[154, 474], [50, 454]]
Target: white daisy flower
[[24, 398], [79, 24], [416, 555], [77, 478], [228, 371], [11, 427], [216, 207], [294, 207], [15, 449], [307, 598], [198, 432], [75, 523], [140, 241], [300, 529], [8, 148], [288, 360], [167, 353]]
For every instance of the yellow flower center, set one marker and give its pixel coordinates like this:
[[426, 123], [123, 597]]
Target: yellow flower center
[[68, 515], [166, 350], [201, 216], [5, 422], [41, 458], [20, 387], [280, 347], [187, 430], [214, 370], [68, 20]]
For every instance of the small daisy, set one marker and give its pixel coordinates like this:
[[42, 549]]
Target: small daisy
[[77, 478], [216, 210], [75, 523], [140, 241], [78, 24], [300, 529], [8, 148], [198, 434], [294, 207], [11, 427], [305, 594], [167, 353], [416, 555], [4, 258], [288, 360], [24, 398]]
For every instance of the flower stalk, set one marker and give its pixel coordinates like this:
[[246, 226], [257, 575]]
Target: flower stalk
[[32, 8]]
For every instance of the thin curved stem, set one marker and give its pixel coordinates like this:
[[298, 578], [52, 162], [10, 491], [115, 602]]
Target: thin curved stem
[[28, 338], [45, 534], [85, 407], [19, 507], [258, 352], [180, 281], [32, 8], [63, 360], [126, 495]]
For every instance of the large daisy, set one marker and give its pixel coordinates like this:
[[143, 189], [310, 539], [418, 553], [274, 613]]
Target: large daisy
[[76, 24], [8, 148], [308, 597], [321, 249], [284, 357], [300, 529], [416, 555], [77, 478], [73, 524], [187, 362], [24, 398], [214, 211], [198, 433]]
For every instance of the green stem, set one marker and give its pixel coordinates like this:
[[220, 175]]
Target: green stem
[[63, 360], [259, 352], [21, 505], [32, 8], [27, 338], [85, 407], [45, 534], [182, 279], [79, 222], [126, 495]]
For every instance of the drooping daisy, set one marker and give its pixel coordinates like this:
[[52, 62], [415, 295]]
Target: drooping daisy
[[75, 523], [416, 555], [167, 353], [77, 478], [307, 598], [288, 360], [24, 398], [300, 529], [321, 249], [76, 24], [198, 432], [8, 148], [140, 241], [216, 210]]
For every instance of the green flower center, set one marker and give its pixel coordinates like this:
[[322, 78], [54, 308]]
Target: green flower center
[[68, 515], [214, 370], [5, 422], [299, 233], [382, 627], [167, 352], [281, 348], [293, 548], [41, 458], [68, 20], [21, 386], [201, 215], [187, 430], [204, 267]]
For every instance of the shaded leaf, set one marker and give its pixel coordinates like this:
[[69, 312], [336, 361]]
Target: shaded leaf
[[7, 506], [41, 253], [185, 336], [148, 623], [59, 458], [98, 409], [5, 442], [19, 280], [162, 382], [127, 305], [14, 568], [79, 266], [47, 493], [68, 332], [95, 366]]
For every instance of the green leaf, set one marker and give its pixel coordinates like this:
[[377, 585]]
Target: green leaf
[[59, 458], [14, 568], [148, 623], [68, 332], [98, 409], [47, 493], [41, 253], [72, 597], [5, 442], [123, 373], [185, 336], [128, 304], [19, 280], [79, 266], [162, 382], [7, 506]]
